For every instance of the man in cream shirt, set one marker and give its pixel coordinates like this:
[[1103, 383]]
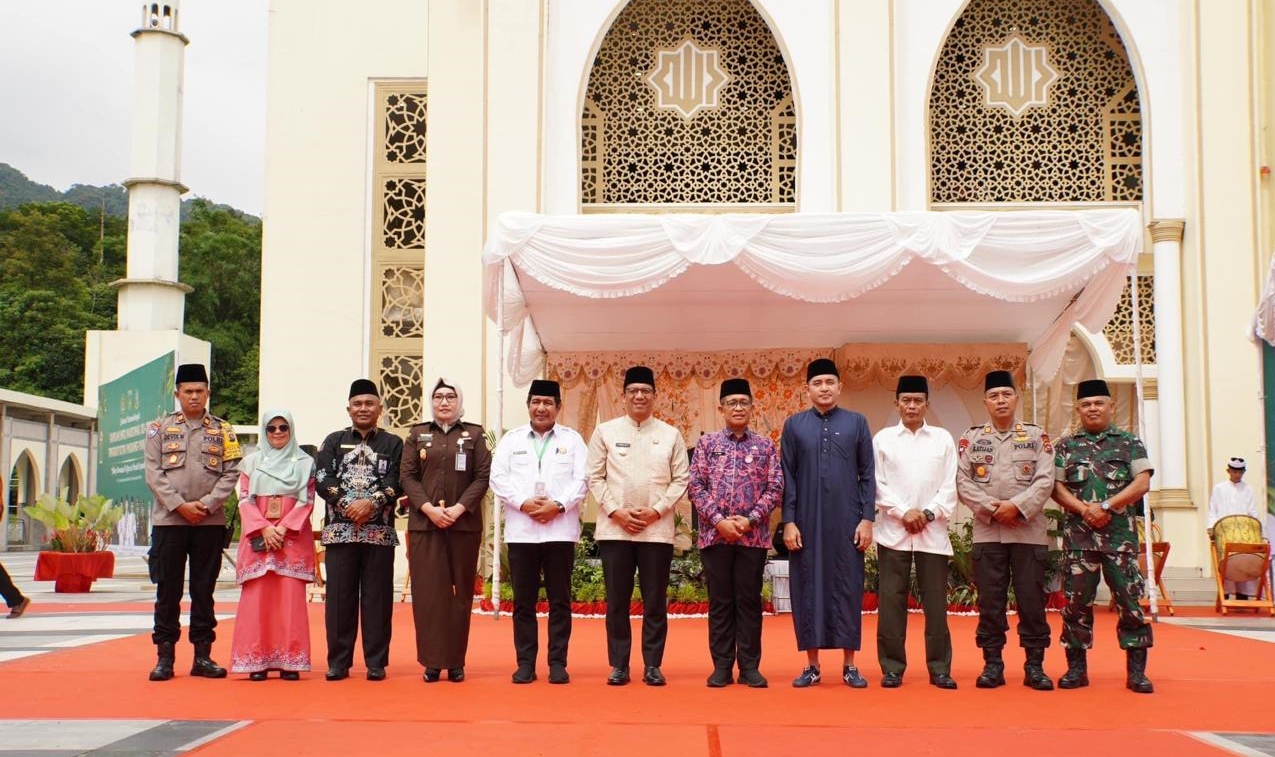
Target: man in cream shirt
[[1234, 497], [537, 475], [916, 496], [638, 470]]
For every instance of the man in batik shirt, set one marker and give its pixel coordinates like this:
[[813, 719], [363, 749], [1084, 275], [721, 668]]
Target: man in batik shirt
[[736, 481], [357, 476]]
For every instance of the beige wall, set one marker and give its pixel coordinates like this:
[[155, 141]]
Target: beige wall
[[489, 66], [323, 56], [1223, 368]]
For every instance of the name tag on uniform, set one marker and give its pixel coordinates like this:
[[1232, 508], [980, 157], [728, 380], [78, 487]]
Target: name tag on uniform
[[520, 452], [461, 459], [623, 445]]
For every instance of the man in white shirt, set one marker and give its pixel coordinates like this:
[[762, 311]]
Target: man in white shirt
[[916, 496], [538, 477], [1234, 497], [638, 470]]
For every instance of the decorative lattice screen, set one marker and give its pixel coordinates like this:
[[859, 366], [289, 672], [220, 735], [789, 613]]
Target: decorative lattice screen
[[1119, 330], [1083, 143], [398, 250], [742, 150]]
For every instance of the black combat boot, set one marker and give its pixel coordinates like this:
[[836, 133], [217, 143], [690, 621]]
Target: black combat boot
[[1136, 671], [1034, 671], [993, 674], [1077, 674], [166, 651], [204, 667]]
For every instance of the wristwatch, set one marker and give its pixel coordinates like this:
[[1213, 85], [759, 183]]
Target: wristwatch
[[561, 507], [1106, 506], [929, 515]]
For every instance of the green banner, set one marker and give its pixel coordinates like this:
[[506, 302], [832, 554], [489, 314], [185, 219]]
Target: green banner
[[124, 407]]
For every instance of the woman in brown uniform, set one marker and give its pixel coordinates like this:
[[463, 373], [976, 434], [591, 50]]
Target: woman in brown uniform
[[444, 475]]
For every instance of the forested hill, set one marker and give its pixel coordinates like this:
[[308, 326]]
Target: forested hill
[[58, 257], [16, 189]]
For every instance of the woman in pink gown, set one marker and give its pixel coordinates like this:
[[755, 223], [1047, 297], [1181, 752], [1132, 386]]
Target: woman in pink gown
[[276, 554]]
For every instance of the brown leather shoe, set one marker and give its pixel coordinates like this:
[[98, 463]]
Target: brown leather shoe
[[16, 612]]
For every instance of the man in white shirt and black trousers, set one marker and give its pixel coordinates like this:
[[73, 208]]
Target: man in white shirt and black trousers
[[538, 477], [916, 496]]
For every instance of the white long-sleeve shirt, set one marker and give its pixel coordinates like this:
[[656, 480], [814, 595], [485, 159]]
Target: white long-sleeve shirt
[[915, 471], [1232, 499], [523, 458]]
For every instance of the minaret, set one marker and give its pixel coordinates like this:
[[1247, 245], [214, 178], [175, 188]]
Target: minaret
[[151, 298]]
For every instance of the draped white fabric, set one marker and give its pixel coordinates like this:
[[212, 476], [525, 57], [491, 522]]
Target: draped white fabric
[[1073, 262], [1264, 318]]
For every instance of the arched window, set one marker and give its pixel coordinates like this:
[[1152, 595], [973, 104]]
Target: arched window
[[1034, 101], [22, 491], [70, 483], [689, 103]]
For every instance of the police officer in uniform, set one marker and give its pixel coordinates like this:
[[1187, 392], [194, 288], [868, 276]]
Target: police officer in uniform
[[192, 466], [1005, 476], [1103, 473]]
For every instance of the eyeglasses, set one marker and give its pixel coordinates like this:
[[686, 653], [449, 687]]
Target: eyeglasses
[[282, 428], [634, 391], [738, 403], [445, 397]]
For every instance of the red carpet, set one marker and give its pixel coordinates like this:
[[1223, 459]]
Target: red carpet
[[1204, 681]]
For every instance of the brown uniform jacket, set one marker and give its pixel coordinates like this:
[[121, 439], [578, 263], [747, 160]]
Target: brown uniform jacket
[[1015, 465], [189, 461], [428, 472]]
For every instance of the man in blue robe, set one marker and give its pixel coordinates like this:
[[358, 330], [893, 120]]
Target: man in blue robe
[[829, 501]]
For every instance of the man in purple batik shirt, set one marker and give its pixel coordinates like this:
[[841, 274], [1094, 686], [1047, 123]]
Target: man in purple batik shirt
[[736, 481]]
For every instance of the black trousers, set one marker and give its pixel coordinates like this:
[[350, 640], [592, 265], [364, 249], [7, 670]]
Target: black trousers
[[171, 548], [360, 585], [894, 568], [651, 561], [734, 574], [12, 597], [995, 566], [526, 562]]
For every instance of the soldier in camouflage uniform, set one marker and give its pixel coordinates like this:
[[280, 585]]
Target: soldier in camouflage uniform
[[1102, 474], [1004, 475]]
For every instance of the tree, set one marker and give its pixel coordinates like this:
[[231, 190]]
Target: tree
[[221, 259], [54, 268]]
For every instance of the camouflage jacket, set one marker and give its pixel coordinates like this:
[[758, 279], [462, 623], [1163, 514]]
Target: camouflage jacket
[[1095, 467]]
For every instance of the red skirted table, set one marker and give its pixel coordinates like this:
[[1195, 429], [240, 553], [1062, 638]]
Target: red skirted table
[[74, 572]]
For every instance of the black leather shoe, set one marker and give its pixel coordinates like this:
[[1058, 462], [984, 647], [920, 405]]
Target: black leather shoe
[[809, 677], [853, 678], [652, 676], [524, 674], [993, 675], [618, 677], [290, 675], [753, 679], [559, 674], [163, 669], [258, 675], [719, 678], [203, 667], [455, 675], [431, 675], [891, 681], [941, 680], [376, 674], [336, 674]]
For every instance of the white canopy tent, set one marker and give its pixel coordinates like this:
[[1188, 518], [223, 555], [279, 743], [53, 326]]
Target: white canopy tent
[[723, 282], [730, 282]]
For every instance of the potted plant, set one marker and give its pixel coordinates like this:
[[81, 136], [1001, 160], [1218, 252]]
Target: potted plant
[[77, 533]]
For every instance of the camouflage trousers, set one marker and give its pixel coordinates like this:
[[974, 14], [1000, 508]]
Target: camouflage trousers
[[1080, 582]]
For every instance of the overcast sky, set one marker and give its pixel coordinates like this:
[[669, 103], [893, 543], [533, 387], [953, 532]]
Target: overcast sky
[[66, 93]]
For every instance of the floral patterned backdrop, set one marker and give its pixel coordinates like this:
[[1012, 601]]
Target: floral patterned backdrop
[[687, 382]]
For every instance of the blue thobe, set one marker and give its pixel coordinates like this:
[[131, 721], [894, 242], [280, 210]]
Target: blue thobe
[[830, 485]]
